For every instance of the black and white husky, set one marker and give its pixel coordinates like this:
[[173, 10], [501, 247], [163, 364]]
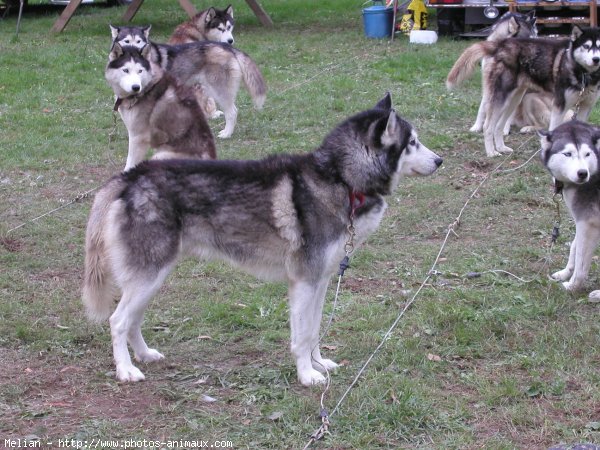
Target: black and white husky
[[219, 68], [159, 113], [568, 69], [571, 154], [145, 220]]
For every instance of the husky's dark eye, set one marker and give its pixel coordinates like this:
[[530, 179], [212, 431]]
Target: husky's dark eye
[[412, 143], [127, 41], [587, 154], [568, 154], [140, 71], [587, 46], [126, 70]]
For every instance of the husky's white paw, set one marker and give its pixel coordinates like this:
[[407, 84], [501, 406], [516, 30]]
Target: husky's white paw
[[224, 134], [594, 296], [505, 150], [216, 114], [571, 286], [150, 355], [562, 275], [311, 377], [528, 129], [476, 128], [492, 153], [129, 373], [325, 365]]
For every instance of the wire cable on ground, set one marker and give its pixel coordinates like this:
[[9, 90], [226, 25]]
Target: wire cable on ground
[[324, 428]]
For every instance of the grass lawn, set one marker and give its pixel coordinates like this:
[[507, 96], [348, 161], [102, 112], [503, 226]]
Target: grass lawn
[[491, 354]]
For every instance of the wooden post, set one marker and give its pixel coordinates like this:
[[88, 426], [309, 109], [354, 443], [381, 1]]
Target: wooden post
[[65, 16]]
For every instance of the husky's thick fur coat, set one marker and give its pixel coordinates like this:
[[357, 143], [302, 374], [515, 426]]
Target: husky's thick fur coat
[[212, 24], [282, 218], [535, 107], [568, 69], [219, 68], [571, 154], [159, 113]]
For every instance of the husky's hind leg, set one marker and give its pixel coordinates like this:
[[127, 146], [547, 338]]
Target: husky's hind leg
[[306, 301], [477, 127], [225, 94], [125, 326]]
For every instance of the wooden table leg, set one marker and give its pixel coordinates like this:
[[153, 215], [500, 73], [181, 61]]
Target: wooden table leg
[[593, 13], [260, 13], [132, 9], [65, 16]]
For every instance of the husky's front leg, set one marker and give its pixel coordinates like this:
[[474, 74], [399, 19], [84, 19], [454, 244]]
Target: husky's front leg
[[138, 147], [565, 274], [306, 303], [587, 236]]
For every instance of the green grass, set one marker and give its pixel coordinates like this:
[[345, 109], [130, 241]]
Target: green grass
[[486, 362]]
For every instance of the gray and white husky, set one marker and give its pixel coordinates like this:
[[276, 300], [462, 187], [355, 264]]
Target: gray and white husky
[[212, 24], [510, 25], [567, 68], [219, 68], [283, 218], [571, 154], [159, 113]]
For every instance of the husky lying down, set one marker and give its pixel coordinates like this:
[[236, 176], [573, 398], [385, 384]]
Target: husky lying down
[[570, 153], [283, 218]]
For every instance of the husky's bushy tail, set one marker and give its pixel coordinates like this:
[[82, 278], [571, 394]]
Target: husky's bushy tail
[[465, 65], [99, 287], [253, 79]]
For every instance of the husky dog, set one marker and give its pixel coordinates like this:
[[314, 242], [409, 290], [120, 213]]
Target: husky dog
[[568, 69], [512, 25], [157, 112], [211, 24], [571, 154], [282, 218], [218, 67]]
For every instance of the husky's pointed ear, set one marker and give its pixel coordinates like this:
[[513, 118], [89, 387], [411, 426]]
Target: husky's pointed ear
[[576, 33], [596, 138], [146, 31], [210, 14], [531, 15], [545, 141], [385, 102], [114, 31], [513, 26], [145, 52], [229, 10], [115, 52], [390, 135]]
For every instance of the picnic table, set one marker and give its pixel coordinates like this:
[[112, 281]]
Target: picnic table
[[67, 13]]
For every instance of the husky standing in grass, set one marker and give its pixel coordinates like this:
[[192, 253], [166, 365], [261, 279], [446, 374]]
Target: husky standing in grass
[[571, 154], [211, 24], [568, 69], [283, 218], [157, 111], [219, 68], [521, 26]]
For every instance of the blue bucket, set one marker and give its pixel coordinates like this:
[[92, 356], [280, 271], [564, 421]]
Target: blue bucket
[[378, 21]]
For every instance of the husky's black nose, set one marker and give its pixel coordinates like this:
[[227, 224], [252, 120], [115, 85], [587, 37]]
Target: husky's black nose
[[230, 41], [596, 59], [438, 161], [582, 174], [136, 88]]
